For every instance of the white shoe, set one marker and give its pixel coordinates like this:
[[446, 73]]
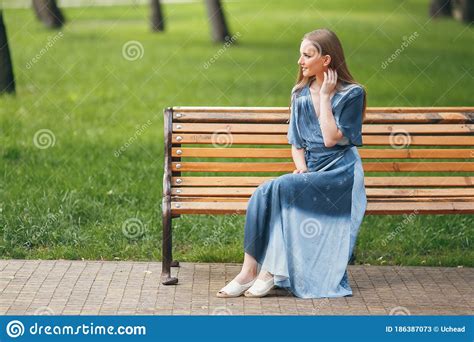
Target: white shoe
[[261, 288], [234, 289]]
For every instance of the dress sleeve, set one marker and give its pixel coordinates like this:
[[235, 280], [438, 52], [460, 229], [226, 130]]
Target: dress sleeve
[[293, 135], [350, 120]]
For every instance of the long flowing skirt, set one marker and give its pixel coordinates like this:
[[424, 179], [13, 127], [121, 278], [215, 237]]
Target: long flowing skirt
[[302, 228]]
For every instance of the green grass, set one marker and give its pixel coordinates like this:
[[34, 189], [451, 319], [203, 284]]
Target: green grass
[[71, 200]]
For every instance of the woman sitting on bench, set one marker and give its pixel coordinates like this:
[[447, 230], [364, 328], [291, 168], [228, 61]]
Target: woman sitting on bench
[[301, 228]]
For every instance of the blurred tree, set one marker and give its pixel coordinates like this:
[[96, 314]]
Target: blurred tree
[[7, 80], [440, 8], [463, 10], [49, 13], [157, 20], [219, 31]]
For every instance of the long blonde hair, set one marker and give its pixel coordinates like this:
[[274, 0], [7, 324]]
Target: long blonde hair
[[327, 43]]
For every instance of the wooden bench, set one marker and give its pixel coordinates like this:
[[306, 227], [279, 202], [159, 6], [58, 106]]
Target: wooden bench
[[415, 160]]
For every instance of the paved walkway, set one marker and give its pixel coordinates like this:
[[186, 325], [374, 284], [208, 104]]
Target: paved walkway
[[128, 288]]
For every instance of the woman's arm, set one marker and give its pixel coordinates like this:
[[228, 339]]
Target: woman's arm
[[331, 134], [298, 159]]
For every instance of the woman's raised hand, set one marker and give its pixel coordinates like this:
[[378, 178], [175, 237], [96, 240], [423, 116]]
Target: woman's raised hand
[[329, 82]]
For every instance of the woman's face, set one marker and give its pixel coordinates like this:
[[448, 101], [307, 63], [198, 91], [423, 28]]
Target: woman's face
[[310, 61]]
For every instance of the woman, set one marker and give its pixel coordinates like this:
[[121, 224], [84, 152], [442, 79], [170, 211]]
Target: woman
[[301, 228]]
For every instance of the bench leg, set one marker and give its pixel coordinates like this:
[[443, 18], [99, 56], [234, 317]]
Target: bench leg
[[166, 278], [174, 263]]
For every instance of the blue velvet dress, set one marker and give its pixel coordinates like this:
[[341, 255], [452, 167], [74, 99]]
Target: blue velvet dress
[[302, 227]]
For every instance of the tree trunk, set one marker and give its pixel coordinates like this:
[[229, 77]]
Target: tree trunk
[[49, 13], [7, 81], [440, 8], [219, 31], [157, 20], [463, 10]]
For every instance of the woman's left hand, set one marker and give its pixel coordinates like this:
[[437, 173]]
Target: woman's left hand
[[329, 83]]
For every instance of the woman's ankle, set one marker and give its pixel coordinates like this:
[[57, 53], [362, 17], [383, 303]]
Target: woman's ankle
[[265, 275], [246, 275]]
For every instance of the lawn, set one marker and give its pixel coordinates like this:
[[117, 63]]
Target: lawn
[[76, 198]]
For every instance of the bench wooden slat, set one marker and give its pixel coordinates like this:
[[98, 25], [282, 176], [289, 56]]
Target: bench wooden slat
[[369, 181], [377, 192], [418, 167], [418, 129], [371, 118], [225, 140], [203, 152], [289, 166], [394, 208], [371, 192], [208, 199], [282, 114], [203, 109], [419, 118], [373, 208], [371, 200], [423, 199], [225, 128]]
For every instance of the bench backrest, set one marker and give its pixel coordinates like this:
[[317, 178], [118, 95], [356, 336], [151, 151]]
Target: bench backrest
[[221, 154]]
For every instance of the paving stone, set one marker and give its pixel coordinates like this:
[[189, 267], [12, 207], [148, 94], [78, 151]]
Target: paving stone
[[128, 288]]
